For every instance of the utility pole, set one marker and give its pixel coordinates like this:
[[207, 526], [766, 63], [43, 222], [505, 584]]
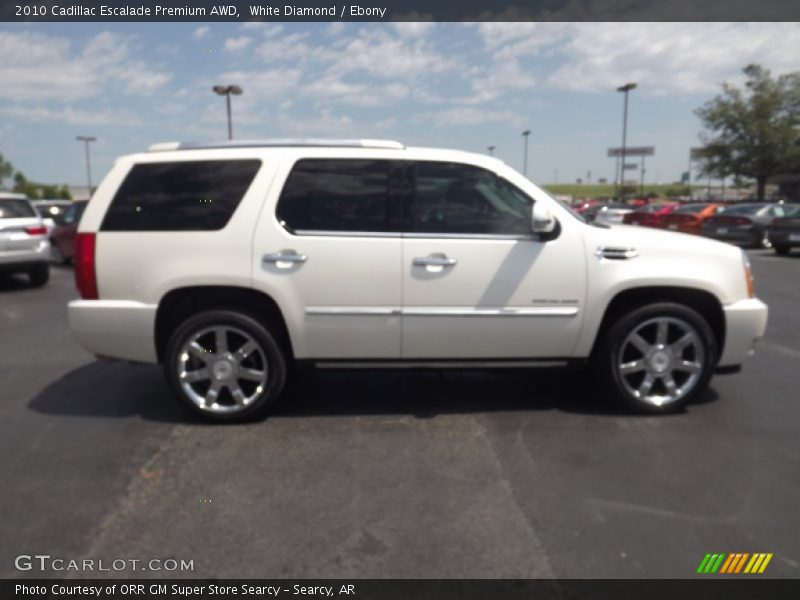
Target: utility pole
[[227, 90], [87, 139], [624, 89], [525, 134]]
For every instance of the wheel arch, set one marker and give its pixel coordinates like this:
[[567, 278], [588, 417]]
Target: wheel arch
[[702, 301], [179, 304]]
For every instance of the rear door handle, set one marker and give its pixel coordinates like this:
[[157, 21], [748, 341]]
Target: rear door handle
[[435, 260], [285, 256]]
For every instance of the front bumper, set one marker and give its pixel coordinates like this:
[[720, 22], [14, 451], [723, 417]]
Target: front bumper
[[745, 322], [115, 328]]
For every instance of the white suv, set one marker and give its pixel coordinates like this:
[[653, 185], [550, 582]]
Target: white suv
[[228, 263]]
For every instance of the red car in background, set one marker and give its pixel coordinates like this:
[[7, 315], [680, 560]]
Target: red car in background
[[62, 238], [688, 218], [647, 215]]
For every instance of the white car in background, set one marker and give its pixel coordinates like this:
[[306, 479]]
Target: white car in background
[[227, 263], [24, 246]]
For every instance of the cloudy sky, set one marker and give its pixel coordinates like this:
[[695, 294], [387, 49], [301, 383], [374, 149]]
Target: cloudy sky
[[464, 86]]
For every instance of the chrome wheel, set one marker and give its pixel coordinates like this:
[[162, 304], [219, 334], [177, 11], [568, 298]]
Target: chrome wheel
[[661, 361], [222, 369]]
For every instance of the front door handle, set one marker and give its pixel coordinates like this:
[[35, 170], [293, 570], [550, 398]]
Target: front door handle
[[435, 260], [285, 256]]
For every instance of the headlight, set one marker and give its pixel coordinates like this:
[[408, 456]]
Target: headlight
[[748, 276]]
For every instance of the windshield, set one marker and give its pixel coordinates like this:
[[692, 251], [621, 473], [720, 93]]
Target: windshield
[[12, 208]]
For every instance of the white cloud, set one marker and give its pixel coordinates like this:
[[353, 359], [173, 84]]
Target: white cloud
[[41, 67], [414, 29], [268, 30], [72, 116], [468, 115], [237, 44], [201, 32]]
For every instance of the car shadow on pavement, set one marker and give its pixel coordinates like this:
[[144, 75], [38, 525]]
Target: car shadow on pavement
[[111, 390], [120, 390], [14, 283]]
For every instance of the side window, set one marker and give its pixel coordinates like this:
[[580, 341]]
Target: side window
[[777, 211], [180, 196], [337, 195], [69, 214], [454, 198]]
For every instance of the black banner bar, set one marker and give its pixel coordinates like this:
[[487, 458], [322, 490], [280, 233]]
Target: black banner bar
[[701, 588], [397, 10]]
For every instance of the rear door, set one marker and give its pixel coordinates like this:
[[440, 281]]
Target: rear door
[[476, 283], [330, 252]]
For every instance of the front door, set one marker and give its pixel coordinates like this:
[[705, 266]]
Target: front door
[[476, 283]]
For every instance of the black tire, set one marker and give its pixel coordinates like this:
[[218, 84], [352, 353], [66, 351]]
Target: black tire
[[270, 353], [39, 275], [609, 354], [781, 250]]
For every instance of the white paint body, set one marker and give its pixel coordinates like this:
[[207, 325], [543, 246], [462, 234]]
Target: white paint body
[[362, 297]]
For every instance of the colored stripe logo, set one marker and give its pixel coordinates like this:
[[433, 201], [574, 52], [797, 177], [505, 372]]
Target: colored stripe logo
[[736, 562]]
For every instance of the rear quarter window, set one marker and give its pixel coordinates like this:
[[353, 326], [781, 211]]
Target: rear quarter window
[[13, 208], [180, 196]]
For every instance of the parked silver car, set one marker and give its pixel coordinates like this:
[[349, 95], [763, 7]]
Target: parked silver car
[[744, 224], [24, 246]]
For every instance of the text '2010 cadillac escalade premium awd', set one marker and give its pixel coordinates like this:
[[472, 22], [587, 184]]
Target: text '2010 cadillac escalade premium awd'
[[227, 263]]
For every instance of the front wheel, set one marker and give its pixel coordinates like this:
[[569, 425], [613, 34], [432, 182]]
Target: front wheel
[[225, 366], [781, 250], [657, 358]]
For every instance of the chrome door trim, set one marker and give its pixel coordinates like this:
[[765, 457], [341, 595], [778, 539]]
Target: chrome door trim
[[360, 311], [536, 311], [351, 311], [470, 236], [439, 364], [326, 233]]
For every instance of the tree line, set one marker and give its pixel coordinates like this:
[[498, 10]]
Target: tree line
[[34, 191]]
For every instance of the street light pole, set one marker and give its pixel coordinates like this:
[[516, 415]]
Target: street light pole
[[86, 139], [525, 134], [491, 150], [625, 89], [227, 90]]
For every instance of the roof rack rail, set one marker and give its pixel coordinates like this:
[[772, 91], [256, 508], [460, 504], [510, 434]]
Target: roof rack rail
[[280, 142]]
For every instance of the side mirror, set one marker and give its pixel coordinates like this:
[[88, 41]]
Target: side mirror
[[542, 221]]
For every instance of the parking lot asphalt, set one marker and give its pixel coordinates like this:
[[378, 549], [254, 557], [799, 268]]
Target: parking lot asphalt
[[474, 474]]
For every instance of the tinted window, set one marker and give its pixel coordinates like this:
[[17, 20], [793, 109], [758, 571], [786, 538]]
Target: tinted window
[[12, 208], [336, 195], [74, 212], [180, 196], [455, 198]]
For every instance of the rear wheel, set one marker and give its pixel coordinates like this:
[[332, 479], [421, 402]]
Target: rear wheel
[[225, 366], [781, 250], [656, 358], [39, 275]]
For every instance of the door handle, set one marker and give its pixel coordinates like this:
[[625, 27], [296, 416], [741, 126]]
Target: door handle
[[285, 256], [435, 260]]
